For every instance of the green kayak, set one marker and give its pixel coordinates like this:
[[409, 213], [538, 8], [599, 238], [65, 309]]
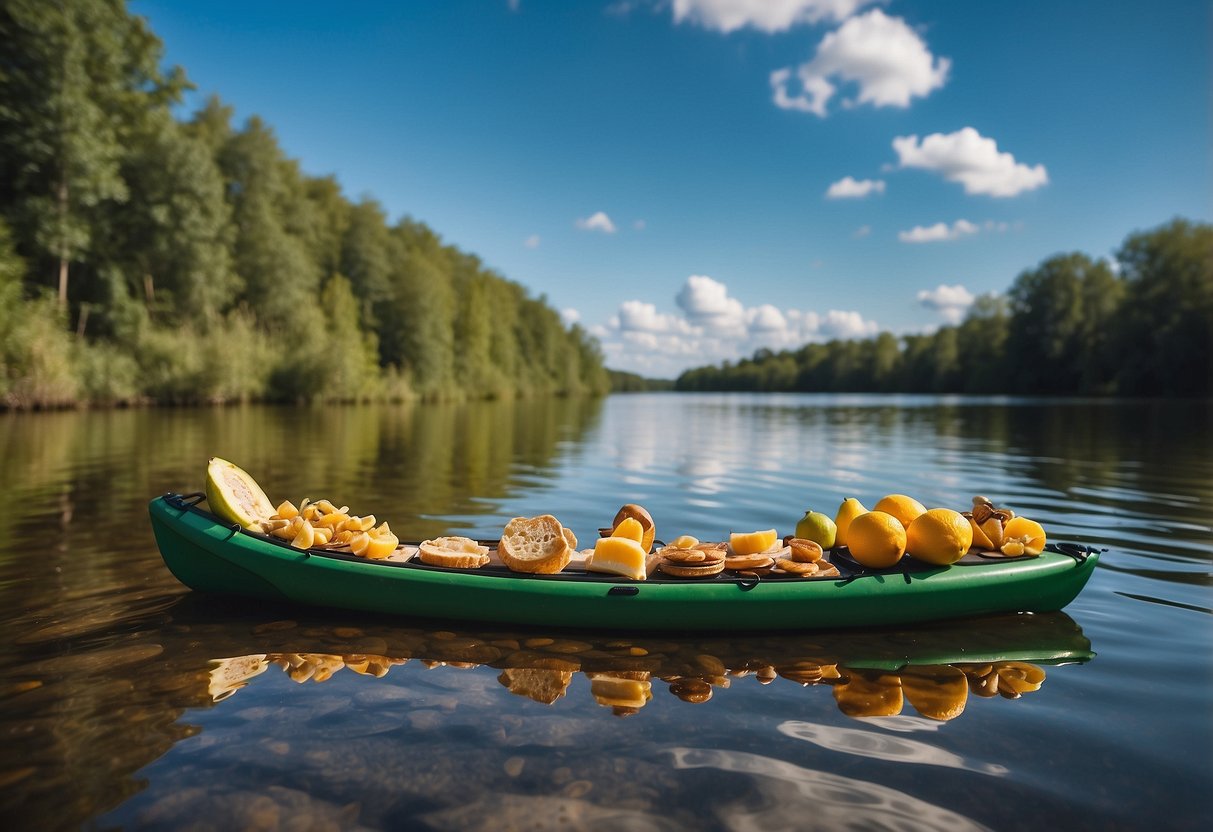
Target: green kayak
[[208, 555]]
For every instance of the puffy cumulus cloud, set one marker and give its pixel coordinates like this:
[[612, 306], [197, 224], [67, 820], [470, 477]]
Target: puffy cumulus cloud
[[714, 327], [851, 188], [971, 159], [706, 302], [597, 221], [570, 316], [939, 232], [765, 15], [882, 55], [839, 324], [532, 241], [949, 301], [638, 316], [861, 232]]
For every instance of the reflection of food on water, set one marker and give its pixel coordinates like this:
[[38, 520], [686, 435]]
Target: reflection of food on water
[[1010, 680], [624, 692], [541, 684], [230, 675], [937, 692], [926, 673], [868, 693], [805, 672]]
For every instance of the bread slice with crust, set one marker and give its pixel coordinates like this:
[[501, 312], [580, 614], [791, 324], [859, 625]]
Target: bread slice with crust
[[534, 544], [453, 552]]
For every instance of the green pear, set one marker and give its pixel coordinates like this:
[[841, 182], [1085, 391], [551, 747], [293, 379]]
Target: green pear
[[817, 527], [848, 511]]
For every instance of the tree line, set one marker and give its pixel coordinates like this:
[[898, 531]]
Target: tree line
[[149, 257], [1141, 325]]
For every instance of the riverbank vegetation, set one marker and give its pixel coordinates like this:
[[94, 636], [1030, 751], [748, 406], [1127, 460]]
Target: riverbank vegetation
[[145, 257], [1141, 325]]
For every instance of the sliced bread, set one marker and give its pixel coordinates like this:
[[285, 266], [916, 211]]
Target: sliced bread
[[453, 552], [536, 544]]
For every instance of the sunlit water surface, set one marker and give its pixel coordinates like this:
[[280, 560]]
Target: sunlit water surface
[[127, 701]]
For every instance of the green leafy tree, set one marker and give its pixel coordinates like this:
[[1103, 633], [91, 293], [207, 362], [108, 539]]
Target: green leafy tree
[[269, 208], [981, 341], [75, 78], [1055, 309], [1166, 320]]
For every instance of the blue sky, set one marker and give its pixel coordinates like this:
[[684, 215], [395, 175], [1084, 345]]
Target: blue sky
[[694, 179]]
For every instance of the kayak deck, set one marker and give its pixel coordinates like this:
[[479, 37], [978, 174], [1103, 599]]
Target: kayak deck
[[208, 555]]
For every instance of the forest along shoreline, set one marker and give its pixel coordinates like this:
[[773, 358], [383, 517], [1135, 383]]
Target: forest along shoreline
[[146, 258]]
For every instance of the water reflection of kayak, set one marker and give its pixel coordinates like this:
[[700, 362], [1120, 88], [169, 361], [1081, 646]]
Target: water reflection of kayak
[[208, 555], [933, 668]]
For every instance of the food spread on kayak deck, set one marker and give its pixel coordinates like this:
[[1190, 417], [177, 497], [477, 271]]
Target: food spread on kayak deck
[[897, 526], [897, 564]]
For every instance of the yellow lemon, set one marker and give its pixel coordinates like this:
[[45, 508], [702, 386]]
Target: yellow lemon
[[939, 536], [847, 512], [1028, 532], [876, 539], [751, 543], [685, 541], [904, 508]]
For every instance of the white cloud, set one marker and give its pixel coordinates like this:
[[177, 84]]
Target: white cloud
[[638, 225], [714, 327], [887, 59], [972, 160], [638, 316], [949, 301], [597, 221], [861, 232], [849, 188], [570, 316], [532, 241], [938, 232], [765, 15]]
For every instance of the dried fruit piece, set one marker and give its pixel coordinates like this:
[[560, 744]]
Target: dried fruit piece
[[805, 551], [381, 545], [642, 516], [751, 543], [630, 529], [1027, 532], [305, 536]]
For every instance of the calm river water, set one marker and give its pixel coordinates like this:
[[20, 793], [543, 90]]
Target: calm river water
[[127, 701]]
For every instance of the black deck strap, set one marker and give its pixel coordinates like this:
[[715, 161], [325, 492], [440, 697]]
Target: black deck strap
[[183, 501], [747, 582], [624, 590], [1074, 550], [235, 529], [905, 568]]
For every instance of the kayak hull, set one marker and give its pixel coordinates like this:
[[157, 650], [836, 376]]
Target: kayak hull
[[208, 556]]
